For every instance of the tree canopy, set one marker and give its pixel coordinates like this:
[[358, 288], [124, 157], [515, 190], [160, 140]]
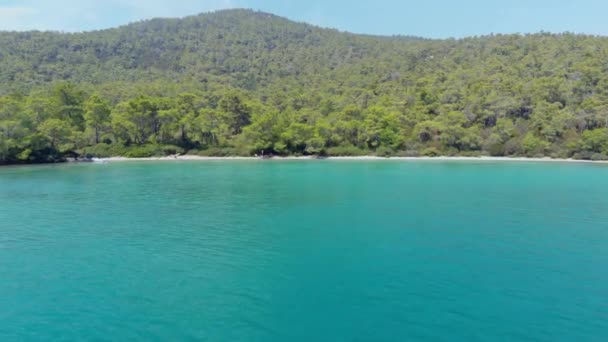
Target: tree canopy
[[239, 82]]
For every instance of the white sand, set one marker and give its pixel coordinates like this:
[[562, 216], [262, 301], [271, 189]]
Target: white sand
[[490, 159]]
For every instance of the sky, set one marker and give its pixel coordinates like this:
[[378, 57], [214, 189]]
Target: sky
[[424, 18]]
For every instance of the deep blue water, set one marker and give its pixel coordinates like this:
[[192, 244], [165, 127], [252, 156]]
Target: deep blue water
[[304, 251]]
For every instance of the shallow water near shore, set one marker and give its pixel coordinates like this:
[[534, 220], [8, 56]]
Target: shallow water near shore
[[249, 250]]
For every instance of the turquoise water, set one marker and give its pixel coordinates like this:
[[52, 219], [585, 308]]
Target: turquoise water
[[304, 251]]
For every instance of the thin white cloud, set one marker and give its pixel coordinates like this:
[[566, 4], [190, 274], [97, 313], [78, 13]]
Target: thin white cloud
[[174, 8], [12, 12], [78, 15], [13, 18]]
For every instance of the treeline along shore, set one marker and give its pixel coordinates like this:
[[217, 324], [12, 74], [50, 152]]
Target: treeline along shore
[[244, 83]]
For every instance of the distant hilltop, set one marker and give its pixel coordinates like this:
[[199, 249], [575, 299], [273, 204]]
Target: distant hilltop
[[249, 49]]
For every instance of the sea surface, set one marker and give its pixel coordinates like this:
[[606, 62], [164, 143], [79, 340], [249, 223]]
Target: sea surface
[[304, 251]]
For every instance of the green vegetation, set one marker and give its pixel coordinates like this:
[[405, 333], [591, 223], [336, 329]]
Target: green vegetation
[[241, 82]]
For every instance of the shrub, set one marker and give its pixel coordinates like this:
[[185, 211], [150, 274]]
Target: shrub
[[471, 154], [102, 151], [512, 147], [595, 140], [497, 149], [431, 152], [384, 151], [171, 149], [599, 156], [222, 152], [345, 151], [152, 150], [584, 155], [407, 153], [560, 154], [143, 151], [533, 145], [451, 152]]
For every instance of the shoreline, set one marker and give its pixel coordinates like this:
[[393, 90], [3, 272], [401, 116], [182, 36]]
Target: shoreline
[[352, 158]]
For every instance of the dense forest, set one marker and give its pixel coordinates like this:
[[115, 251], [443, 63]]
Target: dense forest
[[239, 82]]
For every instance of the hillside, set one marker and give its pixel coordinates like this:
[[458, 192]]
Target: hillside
[[250, 49], [238, 82]]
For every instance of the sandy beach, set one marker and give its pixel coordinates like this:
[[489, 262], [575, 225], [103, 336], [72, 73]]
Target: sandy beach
[[354, 158]]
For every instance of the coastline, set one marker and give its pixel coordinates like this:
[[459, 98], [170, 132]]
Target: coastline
[[352, 158]]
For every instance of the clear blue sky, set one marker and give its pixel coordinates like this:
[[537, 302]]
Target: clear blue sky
[[427, 18]]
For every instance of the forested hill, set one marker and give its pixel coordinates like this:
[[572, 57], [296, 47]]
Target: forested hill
[[248, 49], [239, 81]]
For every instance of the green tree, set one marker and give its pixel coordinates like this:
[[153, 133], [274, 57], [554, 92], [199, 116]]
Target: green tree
[[136, 120], [595, 140], [97, 115], [237, 111], [532, 144], [70, 100], [56, 131]]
